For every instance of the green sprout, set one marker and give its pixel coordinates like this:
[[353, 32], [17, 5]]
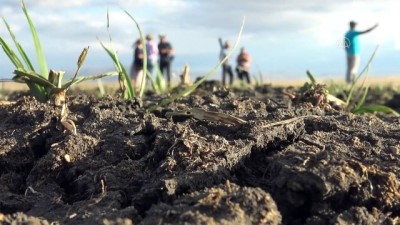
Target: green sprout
[[142, 39], [158, 82], [355, 100], [128, 90], [46, 84], [125, 82]]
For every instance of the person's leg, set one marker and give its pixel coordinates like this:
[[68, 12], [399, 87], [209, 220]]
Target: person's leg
[[350, 65], [160, 66], [138, 79], [239, 73], [163, 69], [223, 74], [132, 72], [230, 73], [356, 64], [247, 75], [150, 66], [168, 67]]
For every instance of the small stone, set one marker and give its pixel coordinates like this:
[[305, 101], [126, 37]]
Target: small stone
[[394, 150], [67, 158]]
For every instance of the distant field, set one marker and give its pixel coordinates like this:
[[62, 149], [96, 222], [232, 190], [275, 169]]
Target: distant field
[[393, 80]]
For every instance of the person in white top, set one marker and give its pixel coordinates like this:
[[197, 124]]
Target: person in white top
[[152, 53], [226, 66]]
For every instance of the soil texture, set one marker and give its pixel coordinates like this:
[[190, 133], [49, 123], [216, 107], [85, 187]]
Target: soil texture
[[288, 164]]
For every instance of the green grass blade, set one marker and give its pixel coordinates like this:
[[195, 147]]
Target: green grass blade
[[124, 77], [37, 84], [38, 91], [375, 109], [33, 77], [19, 47], [311, 77], [25, 58], [108, 19], [121, 69], [154, 84], [259, 80], [11, 55], [143, 83], [78, 80], [193, 87], [367, 67], [353, 84], [363, 97], [102, 91], [160, 80], [38, 47]]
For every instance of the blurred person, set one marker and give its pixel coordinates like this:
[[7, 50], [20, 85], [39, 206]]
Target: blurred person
[[243, 65], [166, 56], [152, 53], [137, 65], [226, 67], [352, 47]]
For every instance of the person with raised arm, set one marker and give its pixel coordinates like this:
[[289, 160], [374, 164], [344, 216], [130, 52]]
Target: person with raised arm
[[226, 66], [352, 48]]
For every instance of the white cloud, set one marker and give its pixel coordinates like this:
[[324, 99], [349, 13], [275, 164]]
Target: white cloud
[[61, 4]]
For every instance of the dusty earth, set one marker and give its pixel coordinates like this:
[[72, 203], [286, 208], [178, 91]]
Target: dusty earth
[[129, 166]]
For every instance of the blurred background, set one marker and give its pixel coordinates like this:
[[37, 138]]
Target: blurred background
[[284, 38]]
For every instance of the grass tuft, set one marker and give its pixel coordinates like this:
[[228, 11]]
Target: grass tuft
[[124, 78], [38, 47], [142, 39]]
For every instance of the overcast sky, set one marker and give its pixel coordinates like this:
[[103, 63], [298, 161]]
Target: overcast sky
[[285, 38]]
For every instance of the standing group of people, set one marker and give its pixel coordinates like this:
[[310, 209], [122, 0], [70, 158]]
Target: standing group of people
[[243, 61], [351, 46], [159, 55], [162, 54]]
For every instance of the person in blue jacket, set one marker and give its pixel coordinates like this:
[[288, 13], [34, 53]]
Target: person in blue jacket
[[352, 47]]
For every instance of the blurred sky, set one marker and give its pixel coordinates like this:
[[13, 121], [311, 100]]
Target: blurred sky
[[285, 38]]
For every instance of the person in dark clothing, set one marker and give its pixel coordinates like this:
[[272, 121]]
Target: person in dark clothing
[[243, 65], [137, 65], [226, 67], [166, 52]]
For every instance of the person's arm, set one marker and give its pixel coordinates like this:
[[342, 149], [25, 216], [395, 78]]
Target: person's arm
[[170, 49], [140, 54], [248, 58], [221, 43], [346, 43], [155, 48], [162, 49], [368, 30]]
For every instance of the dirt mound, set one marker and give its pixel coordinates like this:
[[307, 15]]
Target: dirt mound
[[315, 165]]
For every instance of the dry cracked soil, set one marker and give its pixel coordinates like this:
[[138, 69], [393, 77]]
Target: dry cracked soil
[[130, 166]]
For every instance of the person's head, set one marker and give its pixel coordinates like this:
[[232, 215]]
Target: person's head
[[163, 38], [352, 24], [149, 37], [226, 45], [138, 43]]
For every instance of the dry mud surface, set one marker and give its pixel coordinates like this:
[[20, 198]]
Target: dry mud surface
[[129, 166]]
